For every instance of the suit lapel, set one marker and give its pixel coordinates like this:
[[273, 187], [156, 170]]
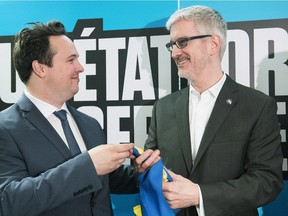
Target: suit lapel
[[182, 119], [35, 117], [225, 102]]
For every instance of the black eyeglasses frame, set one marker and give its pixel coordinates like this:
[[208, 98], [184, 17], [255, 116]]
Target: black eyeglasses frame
[[169, 45]]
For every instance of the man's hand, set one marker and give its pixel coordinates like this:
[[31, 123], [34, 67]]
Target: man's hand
[[146, 160], [181, 192], [107, 158]]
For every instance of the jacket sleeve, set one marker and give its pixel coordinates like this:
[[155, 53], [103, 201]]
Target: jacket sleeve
[[22, 194]]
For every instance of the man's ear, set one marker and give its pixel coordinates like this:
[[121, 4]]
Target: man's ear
[[38, 68], [216, 42]]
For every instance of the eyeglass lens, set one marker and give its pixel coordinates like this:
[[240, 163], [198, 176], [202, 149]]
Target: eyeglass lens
[[183, 42]]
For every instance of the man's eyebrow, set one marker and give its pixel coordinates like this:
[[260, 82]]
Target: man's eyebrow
[[73, 56]]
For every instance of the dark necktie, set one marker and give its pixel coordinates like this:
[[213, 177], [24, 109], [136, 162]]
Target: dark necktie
[[74, 148]]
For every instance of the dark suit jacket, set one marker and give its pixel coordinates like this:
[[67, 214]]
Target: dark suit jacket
[[38, 175], [239, 162]]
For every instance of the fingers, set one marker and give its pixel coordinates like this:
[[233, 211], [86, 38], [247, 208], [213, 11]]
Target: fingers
[[122, 147], [165, 186], [147, 159], [107, 158], [168, 186], [181, 192], [121, 151]]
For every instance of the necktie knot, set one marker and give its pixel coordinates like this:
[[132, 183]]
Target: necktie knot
[[61, 114]]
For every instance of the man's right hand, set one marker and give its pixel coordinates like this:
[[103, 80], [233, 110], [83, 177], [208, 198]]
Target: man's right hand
[[107, 158]]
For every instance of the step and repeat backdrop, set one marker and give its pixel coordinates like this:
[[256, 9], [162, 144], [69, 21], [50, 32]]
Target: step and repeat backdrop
[[127, 67]]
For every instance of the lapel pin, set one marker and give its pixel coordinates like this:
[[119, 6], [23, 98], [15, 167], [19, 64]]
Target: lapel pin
[[229, 101]]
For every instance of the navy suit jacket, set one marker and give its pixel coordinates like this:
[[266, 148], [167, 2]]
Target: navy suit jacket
[[39, 176], [239, 162]]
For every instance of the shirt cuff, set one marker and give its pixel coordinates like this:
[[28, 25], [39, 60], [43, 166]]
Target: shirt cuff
[[200, 208]]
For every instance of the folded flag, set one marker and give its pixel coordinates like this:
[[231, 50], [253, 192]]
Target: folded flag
[[153, 202]]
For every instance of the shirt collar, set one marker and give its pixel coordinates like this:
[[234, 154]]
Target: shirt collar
[[213, 90], [45, 108]]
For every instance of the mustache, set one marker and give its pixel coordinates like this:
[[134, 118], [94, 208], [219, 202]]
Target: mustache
[[179, 59]]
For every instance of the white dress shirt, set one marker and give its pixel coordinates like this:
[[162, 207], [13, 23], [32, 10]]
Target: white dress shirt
[[47, 110], [200, 108]]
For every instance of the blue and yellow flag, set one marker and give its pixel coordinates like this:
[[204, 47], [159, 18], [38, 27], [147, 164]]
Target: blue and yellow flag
[[153, 202]]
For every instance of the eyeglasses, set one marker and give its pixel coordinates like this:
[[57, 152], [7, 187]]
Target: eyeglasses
[[183, 42]]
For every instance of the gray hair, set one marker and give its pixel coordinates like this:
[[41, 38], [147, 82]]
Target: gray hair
[[206, 19]]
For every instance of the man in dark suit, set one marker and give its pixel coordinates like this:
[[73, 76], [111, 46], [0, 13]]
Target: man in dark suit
[[39, 175], [220, 138]]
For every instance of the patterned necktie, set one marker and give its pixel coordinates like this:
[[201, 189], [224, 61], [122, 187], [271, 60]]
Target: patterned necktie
[[74, 148]]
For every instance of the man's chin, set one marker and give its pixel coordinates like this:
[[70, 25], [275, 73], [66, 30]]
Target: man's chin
[[182, 74], [74, 92]]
